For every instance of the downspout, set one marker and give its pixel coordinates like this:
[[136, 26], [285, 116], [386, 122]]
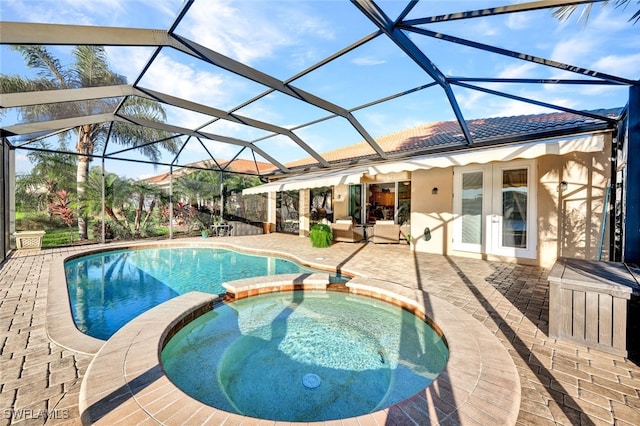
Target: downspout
[[613, 257]]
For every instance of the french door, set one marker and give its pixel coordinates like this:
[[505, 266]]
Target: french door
[[494, 209]]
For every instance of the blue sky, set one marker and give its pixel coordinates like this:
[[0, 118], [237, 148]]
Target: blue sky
[[282, 38]]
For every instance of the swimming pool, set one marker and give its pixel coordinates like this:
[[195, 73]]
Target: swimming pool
[[304, 356], [109, 289]]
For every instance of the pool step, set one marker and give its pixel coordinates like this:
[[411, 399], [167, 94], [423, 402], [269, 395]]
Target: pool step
[[239, 289]]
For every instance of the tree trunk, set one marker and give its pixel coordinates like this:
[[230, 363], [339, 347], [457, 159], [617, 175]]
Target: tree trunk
[[109, 211], [136, 224], [81, 180], [148, 215], [85, 146]]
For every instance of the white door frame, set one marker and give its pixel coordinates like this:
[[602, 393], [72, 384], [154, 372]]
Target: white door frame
[[492, 220]]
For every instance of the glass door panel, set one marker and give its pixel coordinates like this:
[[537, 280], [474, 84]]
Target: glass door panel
[[471, 207], [514, 208], [381, 201], [471, 212], [513, 225], [403, 213], [355, 203]]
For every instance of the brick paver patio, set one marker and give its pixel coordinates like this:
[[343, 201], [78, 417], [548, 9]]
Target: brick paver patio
[[561, 383]]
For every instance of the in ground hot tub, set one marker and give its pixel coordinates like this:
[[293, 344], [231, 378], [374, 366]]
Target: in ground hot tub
[[304, 356]]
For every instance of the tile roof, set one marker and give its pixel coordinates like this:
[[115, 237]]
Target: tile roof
[[486, 131], [440, 136], [238, 165]]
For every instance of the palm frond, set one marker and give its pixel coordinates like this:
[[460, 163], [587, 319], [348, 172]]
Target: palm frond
[[140, 107], [91, 67], [563, 13], [49, 67]]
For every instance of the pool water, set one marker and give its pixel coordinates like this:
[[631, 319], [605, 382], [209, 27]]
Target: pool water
[[109, 289], [304, 356]]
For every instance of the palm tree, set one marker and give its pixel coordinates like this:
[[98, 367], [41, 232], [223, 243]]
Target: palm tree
[[197, 187], [89, 69], [51, 173], [236, 182], [117, 193]]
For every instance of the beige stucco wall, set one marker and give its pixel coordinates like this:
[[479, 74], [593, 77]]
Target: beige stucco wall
[[271, 211], [569, 221], [431, 210], [340, 201], [304, 213]]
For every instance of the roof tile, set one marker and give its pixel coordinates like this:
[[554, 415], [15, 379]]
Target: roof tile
[[448, 135]]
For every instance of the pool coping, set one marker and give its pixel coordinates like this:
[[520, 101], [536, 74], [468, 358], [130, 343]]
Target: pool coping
[[125, 383]]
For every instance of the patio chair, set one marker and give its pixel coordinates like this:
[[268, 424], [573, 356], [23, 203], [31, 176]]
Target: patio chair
[[345, 231], [385, 231]]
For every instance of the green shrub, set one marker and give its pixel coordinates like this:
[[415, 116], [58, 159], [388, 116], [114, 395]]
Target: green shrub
[[321, 235]]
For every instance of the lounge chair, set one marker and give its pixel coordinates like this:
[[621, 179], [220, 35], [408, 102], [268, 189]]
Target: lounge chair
[[345, 231], [385, 231]]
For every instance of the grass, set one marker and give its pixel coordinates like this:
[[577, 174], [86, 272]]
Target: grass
[[35, 221], [58, 237], [56, 232]]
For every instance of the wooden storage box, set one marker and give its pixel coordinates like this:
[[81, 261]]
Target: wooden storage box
[[588, 303]]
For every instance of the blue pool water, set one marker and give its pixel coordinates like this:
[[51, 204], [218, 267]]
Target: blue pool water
[[109, 289], [304, 356]]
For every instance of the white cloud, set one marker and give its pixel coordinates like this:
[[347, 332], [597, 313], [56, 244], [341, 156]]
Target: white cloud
[[246, 32], [470, 99], [623, 65], [518, 21], [128, 61], [23, 165], [284, 149], [574, 50], [524, 70], [485, 28], [508, 108], [220, 151], [608, 18], [368, 61], [185, 80], [77, 12]]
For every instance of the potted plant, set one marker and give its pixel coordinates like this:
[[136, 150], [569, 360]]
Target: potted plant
[[321, 235], [205, 233]]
